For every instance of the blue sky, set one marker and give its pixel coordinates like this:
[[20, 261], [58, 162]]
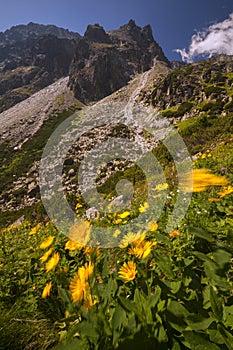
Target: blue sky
[[173, 21]]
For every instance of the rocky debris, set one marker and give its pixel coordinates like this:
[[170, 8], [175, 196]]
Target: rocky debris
[[25, 190], [21, 122], [105, 62]]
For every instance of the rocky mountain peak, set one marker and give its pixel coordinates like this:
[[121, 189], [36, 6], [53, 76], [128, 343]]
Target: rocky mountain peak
[[96, 33], [33, 31], [106, 61]]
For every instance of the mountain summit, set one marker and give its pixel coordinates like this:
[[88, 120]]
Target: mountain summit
[[106, 61]]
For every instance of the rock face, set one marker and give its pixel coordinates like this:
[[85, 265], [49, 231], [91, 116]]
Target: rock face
[[106, 61], [205, 86], [32, 57]]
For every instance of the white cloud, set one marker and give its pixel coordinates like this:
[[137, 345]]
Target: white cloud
[[217, 39]]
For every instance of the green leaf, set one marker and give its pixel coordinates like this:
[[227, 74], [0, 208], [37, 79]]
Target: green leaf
[[74, 345], [222, 257], [154, 299], [175, 286], [198, 323], [176, 315], [109, 289], [130, 305], [199, 341], [105, 269], [139, 299], [215, 336], [216, 305], [164, 264], [177, 309], [228, 311], [162, 336], [227, 337], [86, 329], [198, 232], [119, 317]]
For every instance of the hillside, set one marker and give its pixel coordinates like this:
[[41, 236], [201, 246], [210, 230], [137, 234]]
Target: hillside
[[132, 245]]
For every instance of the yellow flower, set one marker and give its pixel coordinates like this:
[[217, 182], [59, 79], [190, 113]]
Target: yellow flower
[[47, 242], [80, 232], [46, 255], [88, 302], [117, 221], [199, 179], [143, 250], [35, 229], [79, 286], [91, 251], [116, 233], [143, 207], [174, 233], [124, 215], [86, 271], [79, 206], [132, 238], [226, 190], [161, 187], [128, 271], [52, 263], [72, 245], [152, 226], [214, 199], [47, 289]]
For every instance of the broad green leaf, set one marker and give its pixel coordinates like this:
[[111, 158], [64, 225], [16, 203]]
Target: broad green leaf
[[164, 264], [176, 315], [198, 323], [86, 329], [119, 317], [199, 341], [222, 257], [154, 298], [109, 290], [139, 299], [228, 312], [175, 345], [215, 336], [162, 336], [216, 305], [74, 345], [227, 337], [177, 309], [130, 305], [198, 232], [202, 256]]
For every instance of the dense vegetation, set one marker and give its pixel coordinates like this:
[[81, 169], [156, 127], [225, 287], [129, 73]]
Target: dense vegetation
[[166, 290]]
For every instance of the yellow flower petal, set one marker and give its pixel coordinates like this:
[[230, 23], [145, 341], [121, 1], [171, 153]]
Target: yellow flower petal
[[46, 255], [124, 215], [52, 263], [47, 289], [47, 242]]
